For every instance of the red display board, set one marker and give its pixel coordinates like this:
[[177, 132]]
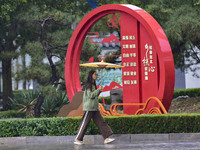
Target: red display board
[[146, 56], [130, 61]]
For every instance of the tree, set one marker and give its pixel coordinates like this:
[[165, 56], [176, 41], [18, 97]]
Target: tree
[[183, 31], [9, 31], [49, 31]]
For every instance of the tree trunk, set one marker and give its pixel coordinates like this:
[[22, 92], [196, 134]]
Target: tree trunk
[[37, 109], [7, 83], [23, 67], [16, 68]]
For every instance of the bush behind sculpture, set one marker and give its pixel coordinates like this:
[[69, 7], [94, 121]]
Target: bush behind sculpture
[[193, 92]]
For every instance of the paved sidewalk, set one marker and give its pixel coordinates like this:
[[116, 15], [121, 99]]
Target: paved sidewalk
[[138, 146], [178, 141]]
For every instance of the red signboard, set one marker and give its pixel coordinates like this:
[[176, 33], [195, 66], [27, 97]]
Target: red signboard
[[149, 66], [130, 61], [146, 56]]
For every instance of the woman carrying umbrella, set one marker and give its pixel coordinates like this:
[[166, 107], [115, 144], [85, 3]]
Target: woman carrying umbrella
[[91, 111]]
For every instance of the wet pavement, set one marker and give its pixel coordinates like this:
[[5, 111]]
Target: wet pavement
[[138, 146], [170, 141]]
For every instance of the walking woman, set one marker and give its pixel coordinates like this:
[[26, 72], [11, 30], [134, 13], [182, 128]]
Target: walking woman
[[91, 111]]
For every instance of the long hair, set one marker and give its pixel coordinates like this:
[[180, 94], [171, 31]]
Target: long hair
[[89, 82]]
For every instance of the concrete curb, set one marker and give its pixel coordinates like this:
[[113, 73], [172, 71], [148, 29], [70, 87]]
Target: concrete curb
[[98, 139]]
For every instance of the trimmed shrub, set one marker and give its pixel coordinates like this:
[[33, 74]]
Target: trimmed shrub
[[12, 114], [193, 92], [137, 124]]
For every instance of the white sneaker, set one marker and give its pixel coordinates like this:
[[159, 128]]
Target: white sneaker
[[108, 140], [77, 142]]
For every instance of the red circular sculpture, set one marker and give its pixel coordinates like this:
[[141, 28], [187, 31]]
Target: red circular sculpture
[[146, 55]]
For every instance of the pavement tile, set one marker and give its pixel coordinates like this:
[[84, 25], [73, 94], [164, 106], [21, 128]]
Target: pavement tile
[[149, 138], [123, 141], [185, 137], [10, 141]]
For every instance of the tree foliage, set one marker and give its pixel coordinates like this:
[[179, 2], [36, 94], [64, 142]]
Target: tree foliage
[[49, 30], [9, 31], [183, 31]]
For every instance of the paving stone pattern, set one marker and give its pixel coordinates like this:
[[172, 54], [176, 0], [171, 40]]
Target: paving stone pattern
[[179, 141]]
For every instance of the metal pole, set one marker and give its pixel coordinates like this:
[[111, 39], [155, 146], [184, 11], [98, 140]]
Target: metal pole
[[101, 75]]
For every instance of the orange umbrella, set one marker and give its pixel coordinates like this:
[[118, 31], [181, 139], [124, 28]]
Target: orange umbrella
[[101, 65]]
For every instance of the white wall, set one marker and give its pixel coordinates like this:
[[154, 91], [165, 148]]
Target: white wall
[[191, 81]]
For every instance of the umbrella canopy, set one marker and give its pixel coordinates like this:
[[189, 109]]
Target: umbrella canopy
[[101, 65]]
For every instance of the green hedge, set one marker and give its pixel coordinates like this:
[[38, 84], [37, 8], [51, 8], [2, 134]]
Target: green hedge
[[193, 92], [170, 123], [12, 114]]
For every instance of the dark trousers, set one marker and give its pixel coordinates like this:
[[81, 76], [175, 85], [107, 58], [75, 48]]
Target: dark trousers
[[103, 127]]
